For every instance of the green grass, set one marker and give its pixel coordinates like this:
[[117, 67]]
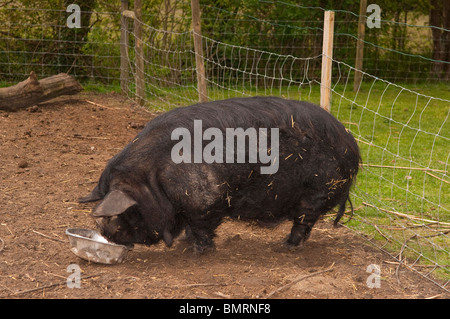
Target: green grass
[[93, 86]]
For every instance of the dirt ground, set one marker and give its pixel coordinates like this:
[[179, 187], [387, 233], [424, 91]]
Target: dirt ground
[[53, 154]]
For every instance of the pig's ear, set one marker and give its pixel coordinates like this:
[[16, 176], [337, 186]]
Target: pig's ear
[[115, 202]]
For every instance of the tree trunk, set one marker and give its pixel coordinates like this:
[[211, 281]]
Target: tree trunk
[[31, 91], [446, 39], [439, 17]]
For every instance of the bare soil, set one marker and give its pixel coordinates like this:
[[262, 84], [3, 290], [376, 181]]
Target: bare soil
[[52, 154]]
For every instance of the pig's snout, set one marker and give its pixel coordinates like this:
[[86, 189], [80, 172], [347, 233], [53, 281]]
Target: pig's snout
[[112, 229]]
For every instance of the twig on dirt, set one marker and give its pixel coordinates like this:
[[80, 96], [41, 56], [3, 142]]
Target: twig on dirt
[[100, 105], [221, 295], [6, 190], [396, 273], [289, 285], [202, 285], [195, 285], [6, 288], [44, 287], [87, 211], [2, 244], [52, 274], [12, 234], [91, 137], [218, 294], [48, 237], [400, 259]]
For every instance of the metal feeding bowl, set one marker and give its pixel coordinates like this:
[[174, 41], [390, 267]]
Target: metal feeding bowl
[[90, 245]]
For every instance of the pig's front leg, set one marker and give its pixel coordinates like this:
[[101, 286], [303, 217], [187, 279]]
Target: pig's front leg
[[203, 232]]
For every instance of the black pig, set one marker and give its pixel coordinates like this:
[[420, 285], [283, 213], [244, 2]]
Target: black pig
[[147, 197]]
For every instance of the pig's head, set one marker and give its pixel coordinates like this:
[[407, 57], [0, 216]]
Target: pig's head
[[129, 215], [120, 220]]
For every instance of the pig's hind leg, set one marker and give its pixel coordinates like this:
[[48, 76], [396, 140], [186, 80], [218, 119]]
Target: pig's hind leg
[[301, 229], [305, 215]]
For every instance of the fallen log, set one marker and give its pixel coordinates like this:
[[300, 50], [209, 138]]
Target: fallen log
[[31, 91]]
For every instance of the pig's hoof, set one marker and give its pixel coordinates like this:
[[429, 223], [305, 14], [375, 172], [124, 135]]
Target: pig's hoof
[[203, 249], [294, 246], [187, 238]]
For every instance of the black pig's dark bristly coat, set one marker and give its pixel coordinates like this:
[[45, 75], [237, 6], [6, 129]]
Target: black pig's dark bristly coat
[[147, 197]]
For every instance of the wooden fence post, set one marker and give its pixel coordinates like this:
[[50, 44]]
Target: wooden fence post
[[200, 66], [124, 73], [360, 45], [327, 60], [139, 50]]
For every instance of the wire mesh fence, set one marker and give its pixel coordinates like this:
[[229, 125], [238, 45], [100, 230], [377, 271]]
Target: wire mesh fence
[[403, 191], [401, 197]]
